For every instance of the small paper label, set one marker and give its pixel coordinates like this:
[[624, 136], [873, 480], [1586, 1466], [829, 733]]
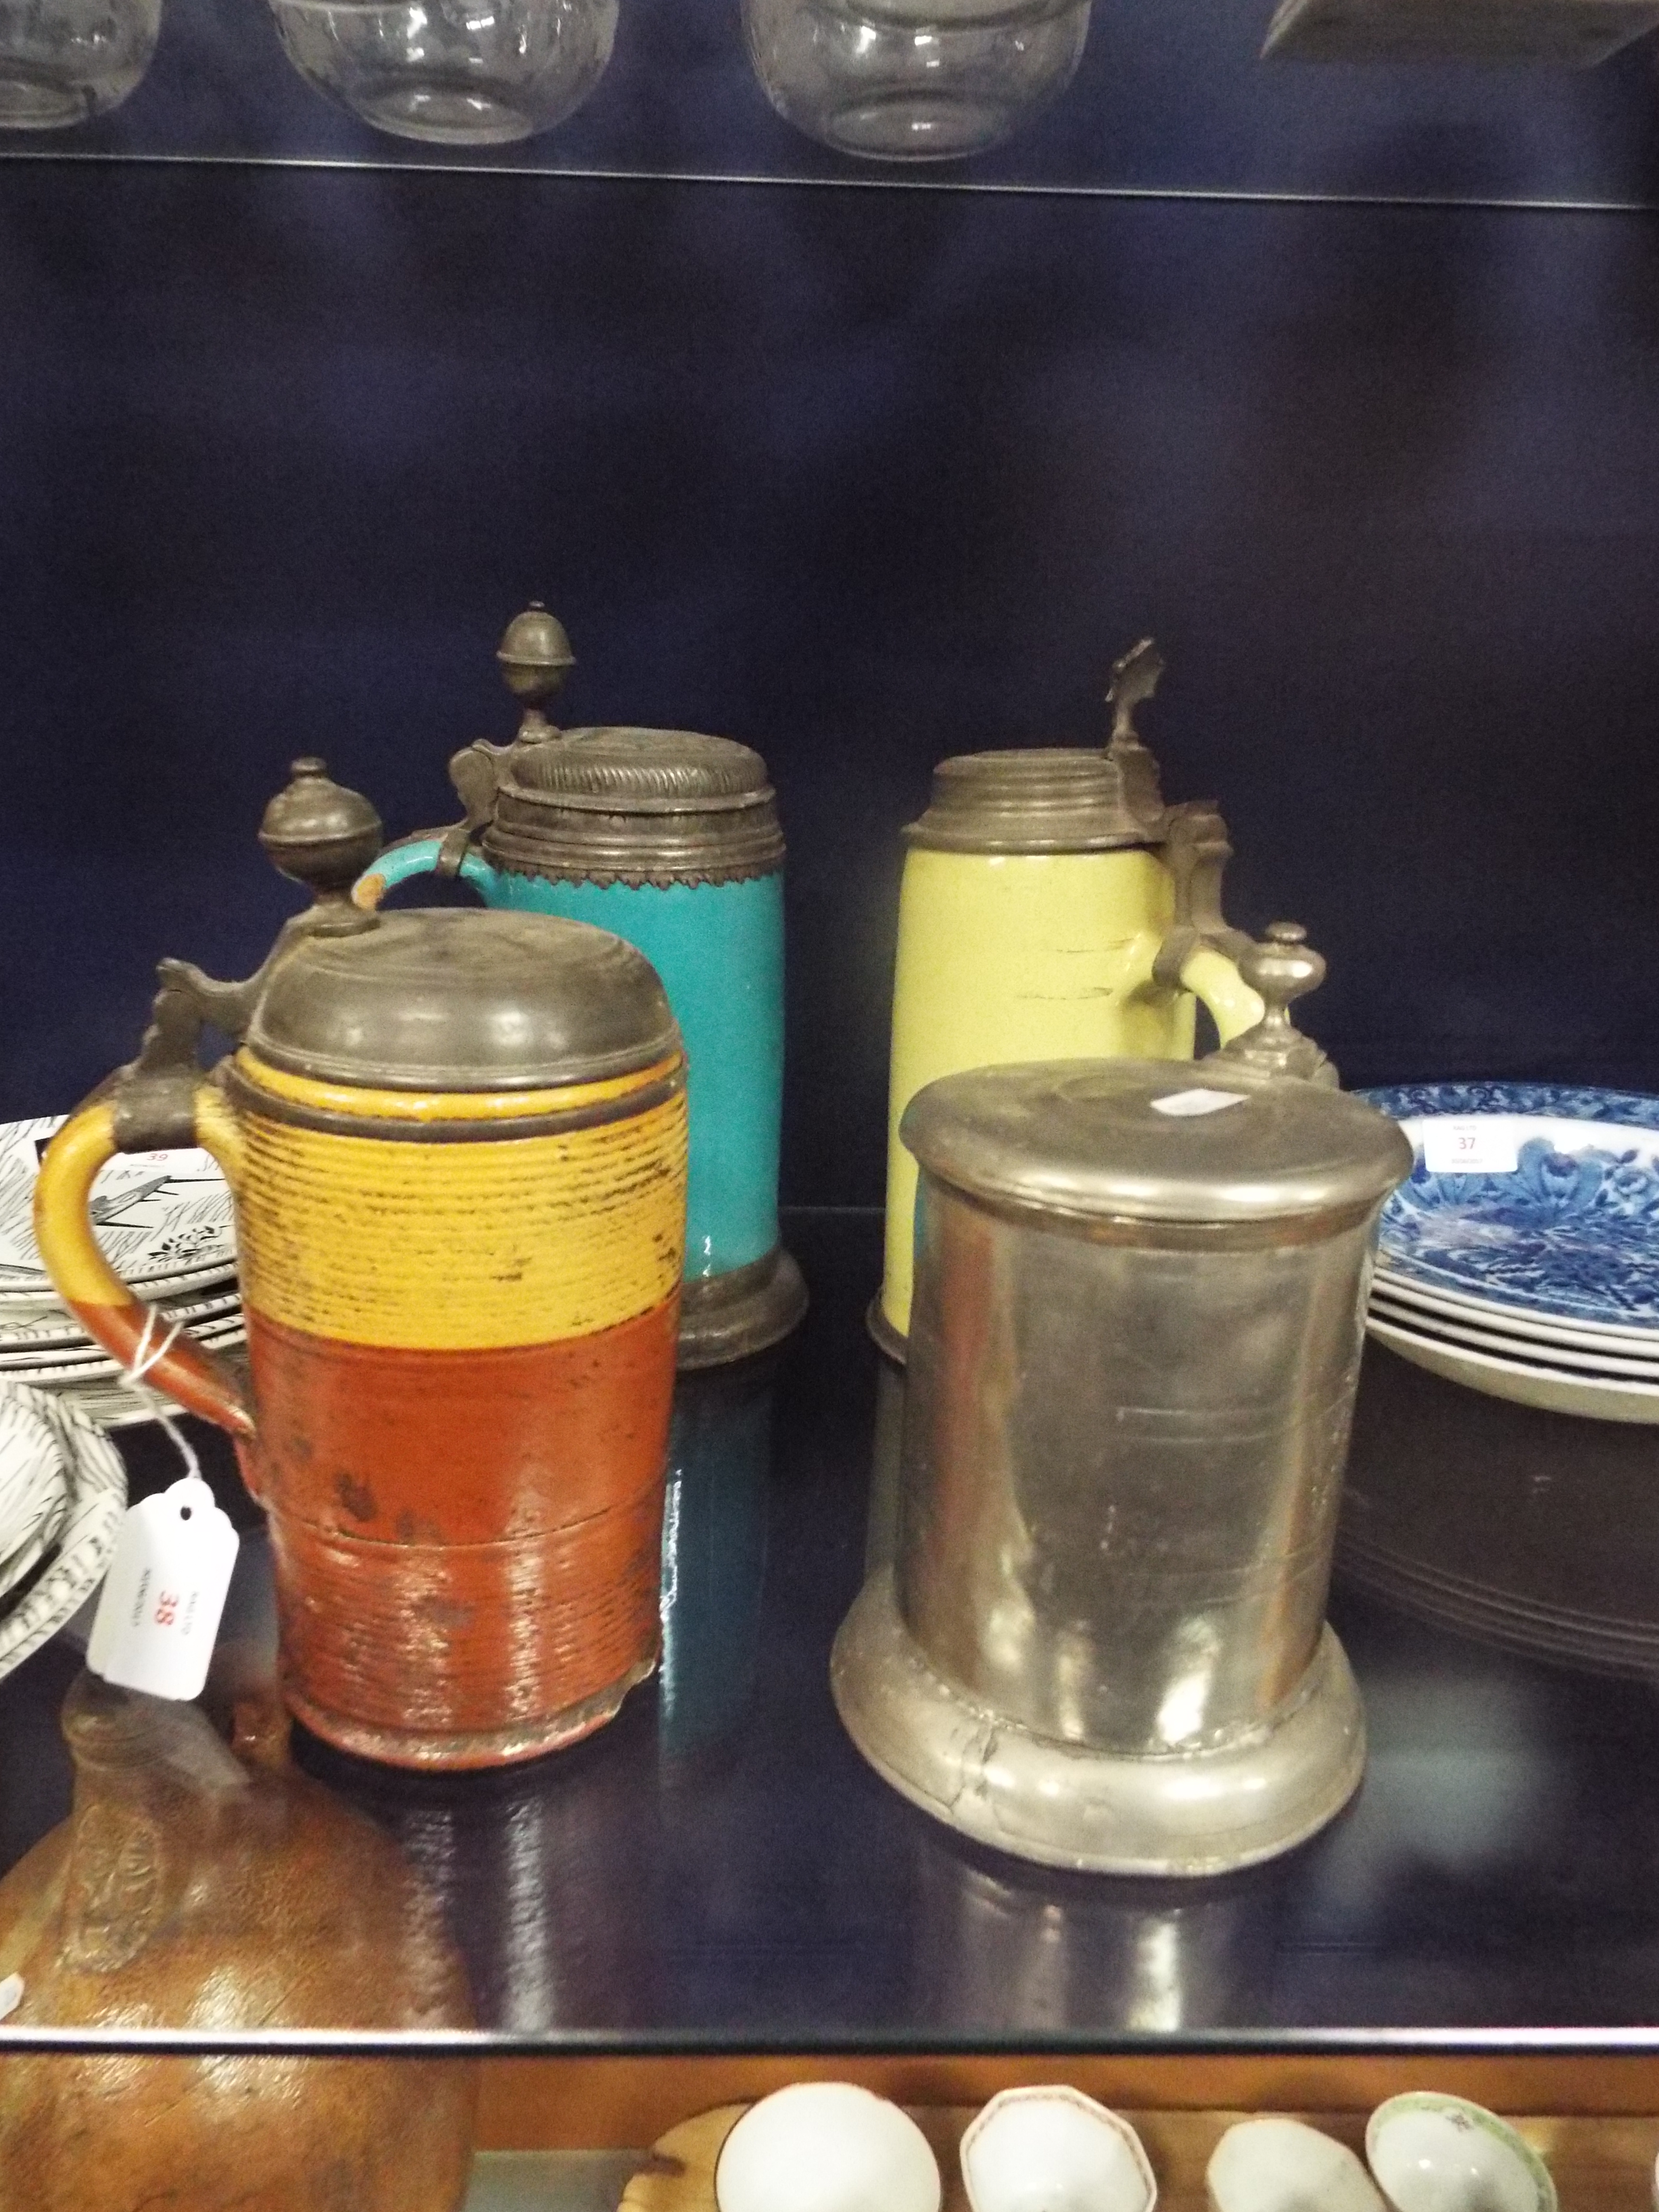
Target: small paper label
[[1453, 1147], [11, 1995], [1183, 1103], [158, 1611]]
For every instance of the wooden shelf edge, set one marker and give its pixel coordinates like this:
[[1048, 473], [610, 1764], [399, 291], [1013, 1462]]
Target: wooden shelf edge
[[597, 2103]]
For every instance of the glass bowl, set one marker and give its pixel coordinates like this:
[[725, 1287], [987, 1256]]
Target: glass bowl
[[912, 79], [62, 60], [452, 72]]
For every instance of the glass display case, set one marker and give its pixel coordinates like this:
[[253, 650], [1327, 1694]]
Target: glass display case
[[1341, 379]]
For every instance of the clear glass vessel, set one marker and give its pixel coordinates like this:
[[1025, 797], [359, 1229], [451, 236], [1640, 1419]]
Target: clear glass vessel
[[912, 79], [62, 60], [454, 72]]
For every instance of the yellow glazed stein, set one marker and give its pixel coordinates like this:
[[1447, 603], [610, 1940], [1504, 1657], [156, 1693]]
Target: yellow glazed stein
[[457, 1146], [1051, 907]]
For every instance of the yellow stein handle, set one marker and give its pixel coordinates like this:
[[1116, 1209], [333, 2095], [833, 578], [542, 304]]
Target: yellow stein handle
[[1214, 980], [113, 1314], [1201, 954]]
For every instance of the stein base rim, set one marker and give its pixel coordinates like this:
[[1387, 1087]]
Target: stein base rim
[[886, 1338], [432, 1751], [747, 1309], [1094, 1812]]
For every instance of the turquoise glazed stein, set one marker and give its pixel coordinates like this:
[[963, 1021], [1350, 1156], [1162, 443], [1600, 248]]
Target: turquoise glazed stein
[[671, 840]]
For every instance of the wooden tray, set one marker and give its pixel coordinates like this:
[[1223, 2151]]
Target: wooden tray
[[1599, 2164]]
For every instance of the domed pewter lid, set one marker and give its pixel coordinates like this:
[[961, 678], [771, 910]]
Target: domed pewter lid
[[1154, 1140], [451, 1000], [1056, 798], [1255, 1133]]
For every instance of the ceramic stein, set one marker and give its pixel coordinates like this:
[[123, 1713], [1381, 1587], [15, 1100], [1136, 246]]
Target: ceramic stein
[[456, 1143], [672, 840], [1141, 1297], [1052, 906], [205, 1885]]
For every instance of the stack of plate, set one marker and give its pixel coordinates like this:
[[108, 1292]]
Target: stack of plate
[[63, 1492], [1509, 1526], [1532, 1274], [165, 1223]]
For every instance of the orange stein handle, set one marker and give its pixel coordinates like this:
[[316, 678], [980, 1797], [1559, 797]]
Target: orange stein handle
[[129, 1330]]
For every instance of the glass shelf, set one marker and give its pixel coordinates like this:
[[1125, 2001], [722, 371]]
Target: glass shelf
[[718, 1870], [1168, 101]]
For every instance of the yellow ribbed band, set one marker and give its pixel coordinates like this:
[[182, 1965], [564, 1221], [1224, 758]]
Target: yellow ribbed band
[[460, 1247], [420, 1106]]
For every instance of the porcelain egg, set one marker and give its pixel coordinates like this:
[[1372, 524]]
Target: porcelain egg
[[1281, 2166], [1434, 2153], [826, 2146], [1054, 2150]]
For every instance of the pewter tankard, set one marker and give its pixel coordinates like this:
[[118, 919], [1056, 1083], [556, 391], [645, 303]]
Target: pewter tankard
[[1140, 1293]]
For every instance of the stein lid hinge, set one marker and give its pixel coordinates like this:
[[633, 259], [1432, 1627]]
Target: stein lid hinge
[[1196, 852]]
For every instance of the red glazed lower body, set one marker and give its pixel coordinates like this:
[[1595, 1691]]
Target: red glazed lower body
[[467, 1544]]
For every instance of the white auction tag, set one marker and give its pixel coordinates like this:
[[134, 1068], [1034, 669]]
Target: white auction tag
[[158, 1610], [1182, 1104], [1472, 1147]]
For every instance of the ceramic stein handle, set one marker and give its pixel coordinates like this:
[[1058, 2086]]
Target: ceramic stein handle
[[418, 856], [1214, 980], [475, 771], [115, 1317], [1201, 952]]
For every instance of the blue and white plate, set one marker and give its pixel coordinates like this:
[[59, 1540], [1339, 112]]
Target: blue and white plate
[[1571, 1234], [1524, 1382]]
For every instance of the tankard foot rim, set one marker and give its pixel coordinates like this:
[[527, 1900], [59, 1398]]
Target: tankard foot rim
[[886, 1337], [1095, 1812], [436, 1751], [745, 1310]]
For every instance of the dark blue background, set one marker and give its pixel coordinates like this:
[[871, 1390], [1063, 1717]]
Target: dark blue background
[[861, 478]]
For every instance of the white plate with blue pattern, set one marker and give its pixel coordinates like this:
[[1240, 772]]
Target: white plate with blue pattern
[[1429, 1309], [1524, 1382], [1571, 1235]]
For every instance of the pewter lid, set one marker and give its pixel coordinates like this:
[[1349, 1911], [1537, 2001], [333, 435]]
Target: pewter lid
[[1089, 1140], [1046, 800], [634, 806], [452, 999], [1056, 798], [623, 770]]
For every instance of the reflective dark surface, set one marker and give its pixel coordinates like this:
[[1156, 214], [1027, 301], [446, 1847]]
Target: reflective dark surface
[[719, 1866]]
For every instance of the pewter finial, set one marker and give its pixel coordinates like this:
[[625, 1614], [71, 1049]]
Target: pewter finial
[[1282, 967], [1134, 678], [318, 834], [535, 659]]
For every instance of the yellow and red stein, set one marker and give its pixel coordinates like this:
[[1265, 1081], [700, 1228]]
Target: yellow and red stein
[[457, 1146]]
